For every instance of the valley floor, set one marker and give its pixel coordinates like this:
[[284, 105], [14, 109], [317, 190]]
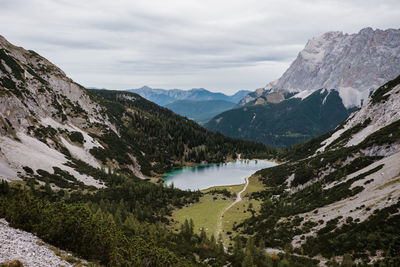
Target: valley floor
[[218, 214]]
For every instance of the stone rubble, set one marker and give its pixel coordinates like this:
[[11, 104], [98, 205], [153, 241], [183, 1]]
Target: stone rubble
[[19, 245]]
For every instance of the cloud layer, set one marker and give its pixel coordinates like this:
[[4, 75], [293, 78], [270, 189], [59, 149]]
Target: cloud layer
[[222, 45]]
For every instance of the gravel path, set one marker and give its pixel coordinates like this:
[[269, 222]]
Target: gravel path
[[238, 199]]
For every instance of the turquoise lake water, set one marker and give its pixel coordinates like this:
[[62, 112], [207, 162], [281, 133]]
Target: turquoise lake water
[[205, 176]]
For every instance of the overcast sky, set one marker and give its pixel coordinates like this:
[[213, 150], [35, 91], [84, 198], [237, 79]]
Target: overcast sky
[[221, 45]]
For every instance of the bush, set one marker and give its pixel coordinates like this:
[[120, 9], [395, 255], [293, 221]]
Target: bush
[[76, 137]]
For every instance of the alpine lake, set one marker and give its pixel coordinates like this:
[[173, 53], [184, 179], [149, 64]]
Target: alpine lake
[[221, 174]]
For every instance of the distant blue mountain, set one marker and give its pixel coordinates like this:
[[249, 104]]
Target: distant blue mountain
[[200, 111], [164, 97]]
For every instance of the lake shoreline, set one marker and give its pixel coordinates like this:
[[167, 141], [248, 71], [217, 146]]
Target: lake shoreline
[[203, 177]]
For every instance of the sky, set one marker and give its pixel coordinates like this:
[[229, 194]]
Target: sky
[[220, 45]]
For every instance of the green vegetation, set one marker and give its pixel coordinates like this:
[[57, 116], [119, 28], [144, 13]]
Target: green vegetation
[[108, 232], [303, 150], [380, 93], [14, 263], [60, 178], [378, 232], [283, 124], [204, 214], [200, 111], [279, 218], [345, 136], [235, 215], [73, 227], [16, 69], [76, 137], [155, 134]]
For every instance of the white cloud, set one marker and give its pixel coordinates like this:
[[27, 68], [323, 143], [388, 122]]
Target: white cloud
[[223, 45]]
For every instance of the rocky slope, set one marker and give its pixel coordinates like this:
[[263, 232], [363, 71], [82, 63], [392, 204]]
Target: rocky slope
[[340, 193], [354, 64], [31, 251], [37, 101]]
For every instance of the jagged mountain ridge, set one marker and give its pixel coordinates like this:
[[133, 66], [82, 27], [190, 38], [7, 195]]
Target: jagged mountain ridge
[[164, 97], [354, 64]]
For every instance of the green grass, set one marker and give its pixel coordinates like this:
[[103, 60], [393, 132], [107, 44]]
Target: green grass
[[234, 189], [205, 214], [255, 185], [235, 215]]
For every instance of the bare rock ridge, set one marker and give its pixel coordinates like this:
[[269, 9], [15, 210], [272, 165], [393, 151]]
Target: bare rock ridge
[[39, 108], [353, 64]]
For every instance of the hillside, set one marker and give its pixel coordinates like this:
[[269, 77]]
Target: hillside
[[164, 97], [339, 194], [289, 122], [200, 111]]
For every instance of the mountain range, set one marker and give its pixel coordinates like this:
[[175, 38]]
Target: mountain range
[[80, 170], [164, 97], [344, 68], [197, 104]]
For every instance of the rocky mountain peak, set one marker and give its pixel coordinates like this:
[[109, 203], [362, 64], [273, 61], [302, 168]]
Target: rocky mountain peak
[[354, 64]]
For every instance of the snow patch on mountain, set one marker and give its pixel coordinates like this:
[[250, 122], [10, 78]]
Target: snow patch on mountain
[[304, 94]]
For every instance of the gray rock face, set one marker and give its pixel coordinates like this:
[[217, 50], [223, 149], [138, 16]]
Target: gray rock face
[[352, 63], [35, 95], [337, 60]]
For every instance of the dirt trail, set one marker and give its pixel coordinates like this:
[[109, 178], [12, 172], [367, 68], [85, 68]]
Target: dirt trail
[[238, 199]]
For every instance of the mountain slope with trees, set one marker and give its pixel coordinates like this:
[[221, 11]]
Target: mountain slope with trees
[[292, 121], [200, 111], [338, 196]]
